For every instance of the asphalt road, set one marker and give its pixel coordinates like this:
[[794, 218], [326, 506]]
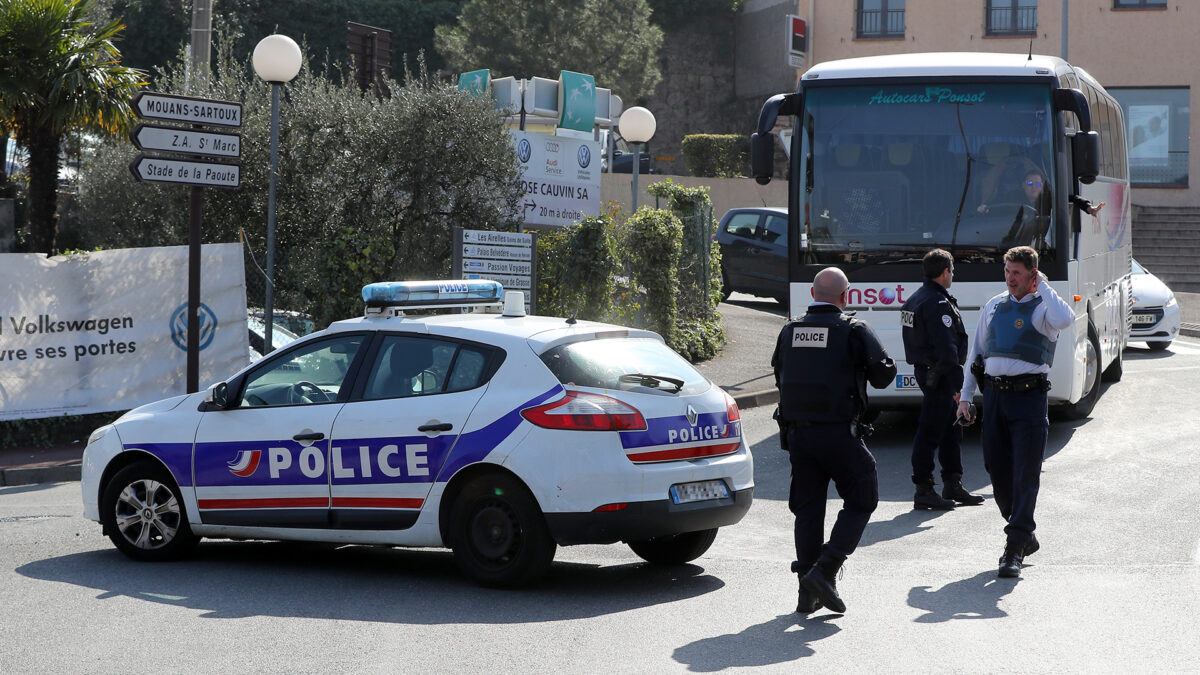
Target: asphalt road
[[1115, 588]]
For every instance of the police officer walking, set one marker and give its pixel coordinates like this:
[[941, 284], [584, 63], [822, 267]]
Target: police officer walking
[[1015, 340], [822, 363], [935, 343]]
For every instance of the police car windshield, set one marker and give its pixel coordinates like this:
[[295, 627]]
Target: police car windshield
[[893, 169], [626, 364]]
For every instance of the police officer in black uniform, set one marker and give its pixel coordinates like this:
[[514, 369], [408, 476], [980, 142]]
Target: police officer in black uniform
[[935, 343], [822, 363]]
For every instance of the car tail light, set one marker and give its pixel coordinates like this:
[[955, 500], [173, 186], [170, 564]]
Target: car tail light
[[619, 506], [731, 407], [581, 411]]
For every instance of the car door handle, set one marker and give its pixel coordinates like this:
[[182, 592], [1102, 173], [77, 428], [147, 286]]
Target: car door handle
[[443, 426], [313, 436]]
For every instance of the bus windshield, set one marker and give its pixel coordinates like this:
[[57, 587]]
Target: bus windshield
[[891, 171]]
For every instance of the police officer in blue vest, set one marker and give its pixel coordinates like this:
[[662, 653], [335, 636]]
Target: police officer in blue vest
[[1015, 340], [935, 344], [822, 364]]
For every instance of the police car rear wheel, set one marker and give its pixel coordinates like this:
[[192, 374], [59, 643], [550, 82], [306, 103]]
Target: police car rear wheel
[[144, 515], [499, 535], [674, 549]]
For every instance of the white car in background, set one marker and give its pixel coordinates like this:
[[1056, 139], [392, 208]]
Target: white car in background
[[499, 436], [1155, 310]]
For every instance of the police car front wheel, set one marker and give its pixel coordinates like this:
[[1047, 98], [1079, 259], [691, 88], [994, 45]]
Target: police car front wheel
[[499, 536], [143, 514], [675, 549]]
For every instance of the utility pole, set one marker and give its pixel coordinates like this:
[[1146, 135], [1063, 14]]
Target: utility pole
[[197, 67], [201, 34]]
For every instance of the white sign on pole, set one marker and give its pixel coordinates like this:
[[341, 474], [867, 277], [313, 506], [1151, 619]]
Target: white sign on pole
[[506, 257], [561, 176], [104, 331], [159, 170], [176, 139], [151, 105]]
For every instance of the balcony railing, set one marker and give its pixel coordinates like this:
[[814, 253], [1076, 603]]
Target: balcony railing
[[881, 24], [1012, 21]]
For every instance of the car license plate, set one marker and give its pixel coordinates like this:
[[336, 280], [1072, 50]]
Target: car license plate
[[1144, 319], [683, 493]]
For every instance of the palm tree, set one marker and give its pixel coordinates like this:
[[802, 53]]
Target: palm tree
[[58, 72]]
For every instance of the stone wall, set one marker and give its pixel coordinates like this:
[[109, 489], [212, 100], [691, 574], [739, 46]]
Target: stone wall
[[698, 92]]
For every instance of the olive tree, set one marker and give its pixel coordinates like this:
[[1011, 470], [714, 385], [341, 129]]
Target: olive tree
[[368, 189]]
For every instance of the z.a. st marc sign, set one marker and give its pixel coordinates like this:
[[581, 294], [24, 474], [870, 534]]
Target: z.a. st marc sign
[[176, 139]]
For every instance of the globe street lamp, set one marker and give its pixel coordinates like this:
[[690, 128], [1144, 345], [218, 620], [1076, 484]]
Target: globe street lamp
[[276, 60], [637, 128]]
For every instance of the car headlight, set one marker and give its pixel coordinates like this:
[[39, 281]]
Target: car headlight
[[99, 433], [1170, 300]]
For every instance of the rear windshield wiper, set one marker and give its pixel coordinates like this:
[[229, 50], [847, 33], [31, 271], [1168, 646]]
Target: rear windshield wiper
[[651, 381]]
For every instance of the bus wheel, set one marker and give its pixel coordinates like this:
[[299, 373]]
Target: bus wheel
[[1091, 380]]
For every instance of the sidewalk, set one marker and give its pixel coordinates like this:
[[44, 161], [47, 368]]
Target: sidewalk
[[743, 368]]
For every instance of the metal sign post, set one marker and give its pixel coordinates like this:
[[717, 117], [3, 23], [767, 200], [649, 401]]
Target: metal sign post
[[197, 174]]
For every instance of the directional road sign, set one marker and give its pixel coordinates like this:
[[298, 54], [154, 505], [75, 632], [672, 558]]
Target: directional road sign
[[159, 170], [151, 105], [177, 139]]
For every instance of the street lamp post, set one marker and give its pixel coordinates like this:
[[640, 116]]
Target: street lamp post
[[276, 60], [637, 128]]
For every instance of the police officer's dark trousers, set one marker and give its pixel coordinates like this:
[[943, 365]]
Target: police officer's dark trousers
[[936, 429], [1014, 444], [819, 453]]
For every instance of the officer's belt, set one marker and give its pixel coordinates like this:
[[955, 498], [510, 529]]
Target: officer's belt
[[1018, 383]]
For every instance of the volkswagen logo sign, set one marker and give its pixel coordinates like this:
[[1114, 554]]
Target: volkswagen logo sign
[[524, 150], [584, 156], [179, 325]]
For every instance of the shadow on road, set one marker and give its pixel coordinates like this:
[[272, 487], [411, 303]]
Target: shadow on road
[[364, 583], [974, 598], [762, 644]]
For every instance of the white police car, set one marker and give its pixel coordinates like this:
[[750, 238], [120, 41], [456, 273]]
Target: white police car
[[497, 435]]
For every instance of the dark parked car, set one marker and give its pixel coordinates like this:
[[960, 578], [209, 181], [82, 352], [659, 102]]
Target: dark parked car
[[754, 254]]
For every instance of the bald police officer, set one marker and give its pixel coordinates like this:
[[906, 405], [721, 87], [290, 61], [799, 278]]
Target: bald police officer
[[822, 363], [1015, 338], [935, 344]]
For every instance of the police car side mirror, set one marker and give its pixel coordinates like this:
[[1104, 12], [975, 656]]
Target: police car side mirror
[[217, 398]]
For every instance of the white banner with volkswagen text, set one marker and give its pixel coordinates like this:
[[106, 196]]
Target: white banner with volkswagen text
[[107, 330]]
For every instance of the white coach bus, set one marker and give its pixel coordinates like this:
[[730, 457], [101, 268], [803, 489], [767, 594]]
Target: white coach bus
[[974, 153]]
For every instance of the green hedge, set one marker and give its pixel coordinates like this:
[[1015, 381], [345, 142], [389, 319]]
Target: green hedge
[[655, 269], [716, 155]]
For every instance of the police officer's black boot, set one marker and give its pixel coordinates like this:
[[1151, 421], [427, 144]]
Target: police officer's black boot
[[1010, 562], [821, 582], [928, 498], [806, 601], [953, 489]]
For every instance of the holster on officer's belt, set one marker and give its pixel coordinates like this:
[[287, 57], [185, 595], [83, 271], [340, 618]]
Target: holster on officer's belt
[[783, 429], [977, 370]]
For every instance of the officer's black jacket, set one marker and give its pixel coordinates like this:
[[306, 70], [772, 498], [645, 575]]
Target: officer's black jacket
[[820, 375], [934, 334]]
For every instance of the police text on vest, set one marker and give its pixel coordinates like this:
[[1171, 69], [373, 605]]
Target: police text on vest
[[803, 336]]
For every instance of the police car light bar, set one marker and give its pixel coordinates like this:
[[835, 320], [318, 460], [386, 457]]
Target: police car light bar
[[406, 295]]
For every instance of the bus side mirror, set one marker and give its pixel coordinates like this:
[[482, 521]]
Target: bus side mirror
[[1085, 155], [762, 156]]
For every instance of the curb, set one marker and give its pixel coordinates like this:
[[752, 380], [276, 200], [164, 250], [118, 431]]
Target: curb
[[757, 398], [49, 474], [1189, 329]]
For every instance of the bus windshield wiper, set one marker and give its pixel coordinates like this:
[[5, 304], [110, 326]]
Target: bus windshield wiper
[[652, 381]]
